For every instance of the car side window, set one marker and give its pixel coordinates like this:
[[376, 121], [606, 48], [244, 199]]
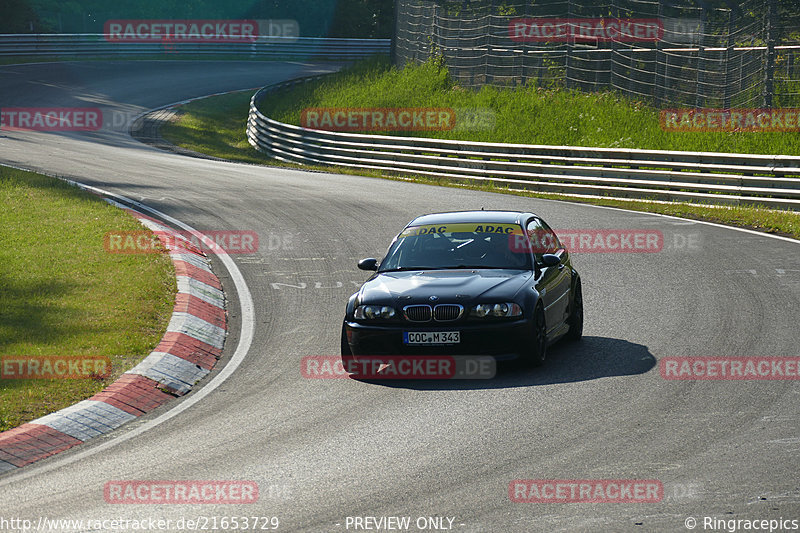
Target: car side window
[[552, 237], [543, 239]]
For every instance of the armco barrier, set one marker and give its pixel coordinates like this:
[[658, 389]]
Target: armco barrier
[[96, 45], [739, 179]]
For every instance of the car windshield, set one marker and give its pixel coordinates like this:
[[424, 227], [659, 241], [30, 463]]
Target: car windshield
[[454, 246]]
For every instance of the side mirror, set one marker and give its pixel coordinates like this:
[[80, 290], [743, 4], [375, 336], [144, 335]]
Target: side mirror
[[369, 263], [549, 260]]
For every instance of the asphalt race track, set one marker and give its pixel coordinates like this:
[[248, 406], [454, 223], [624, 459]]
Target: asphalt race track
[[325, 450]]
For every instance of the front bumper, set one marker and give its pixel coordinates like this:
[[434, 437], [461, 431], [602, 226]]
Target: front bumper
[[502, 340]]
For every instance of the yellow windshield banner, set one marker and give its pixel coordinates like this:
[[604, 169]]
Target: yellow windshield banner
[[471, 227]]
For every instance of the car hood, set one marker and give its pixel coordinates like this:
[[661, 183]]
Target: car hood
[[450, 286]]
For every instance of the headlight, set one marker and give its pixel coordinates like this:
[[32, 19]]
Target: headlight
[[372, 312], [498, 310]]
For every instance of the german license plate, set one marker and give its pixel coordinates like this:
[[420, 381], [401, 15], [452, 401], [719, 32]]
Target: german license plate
[[431, 337]]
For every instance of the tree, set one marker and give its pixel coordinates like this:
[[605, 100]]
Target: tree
[[18, 17]]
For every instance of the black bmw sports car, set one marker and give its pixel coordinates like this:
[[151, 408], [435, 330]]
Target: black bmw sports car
[[493, 283]]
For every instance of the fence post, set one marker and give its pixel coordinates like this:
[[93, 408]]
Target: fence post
[[525, 47], [614, 46], [700, 97], [488, 72], [658, 77], [769, 70], [726, 104], [570, 48], [393, 46], [435, 45]]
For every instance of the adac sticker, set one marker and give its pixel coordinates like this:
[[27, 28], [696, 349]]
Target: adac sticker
[[502, 229]]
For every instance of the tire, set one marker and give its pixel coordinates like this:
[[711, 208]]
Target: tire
[[575, 319], [537, 351]]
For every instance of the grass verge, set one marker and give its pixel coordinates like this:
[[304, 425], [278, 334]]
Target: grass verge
[[62, 294], [216, 126], [531, 114]]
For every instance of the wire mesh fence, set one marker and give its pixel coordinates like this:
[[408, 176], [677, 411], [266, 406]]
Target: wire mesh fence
[[719, 54]]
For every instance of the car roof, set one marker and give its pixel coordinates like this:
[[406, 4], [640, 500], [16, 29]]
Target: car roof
[[496, 217]]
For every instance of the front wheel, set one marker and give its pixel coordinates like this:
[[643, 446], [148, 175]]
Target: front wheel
[[537, 351], [575, 319]]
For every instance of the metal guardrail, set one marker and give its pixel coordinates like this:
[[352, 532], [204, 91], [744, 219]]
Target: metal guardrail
[[739, 179], [93, 44]]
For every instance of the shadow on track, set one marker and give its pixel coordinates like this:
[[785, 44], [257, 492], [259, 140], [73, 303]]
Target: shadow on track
[[567, 362]]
